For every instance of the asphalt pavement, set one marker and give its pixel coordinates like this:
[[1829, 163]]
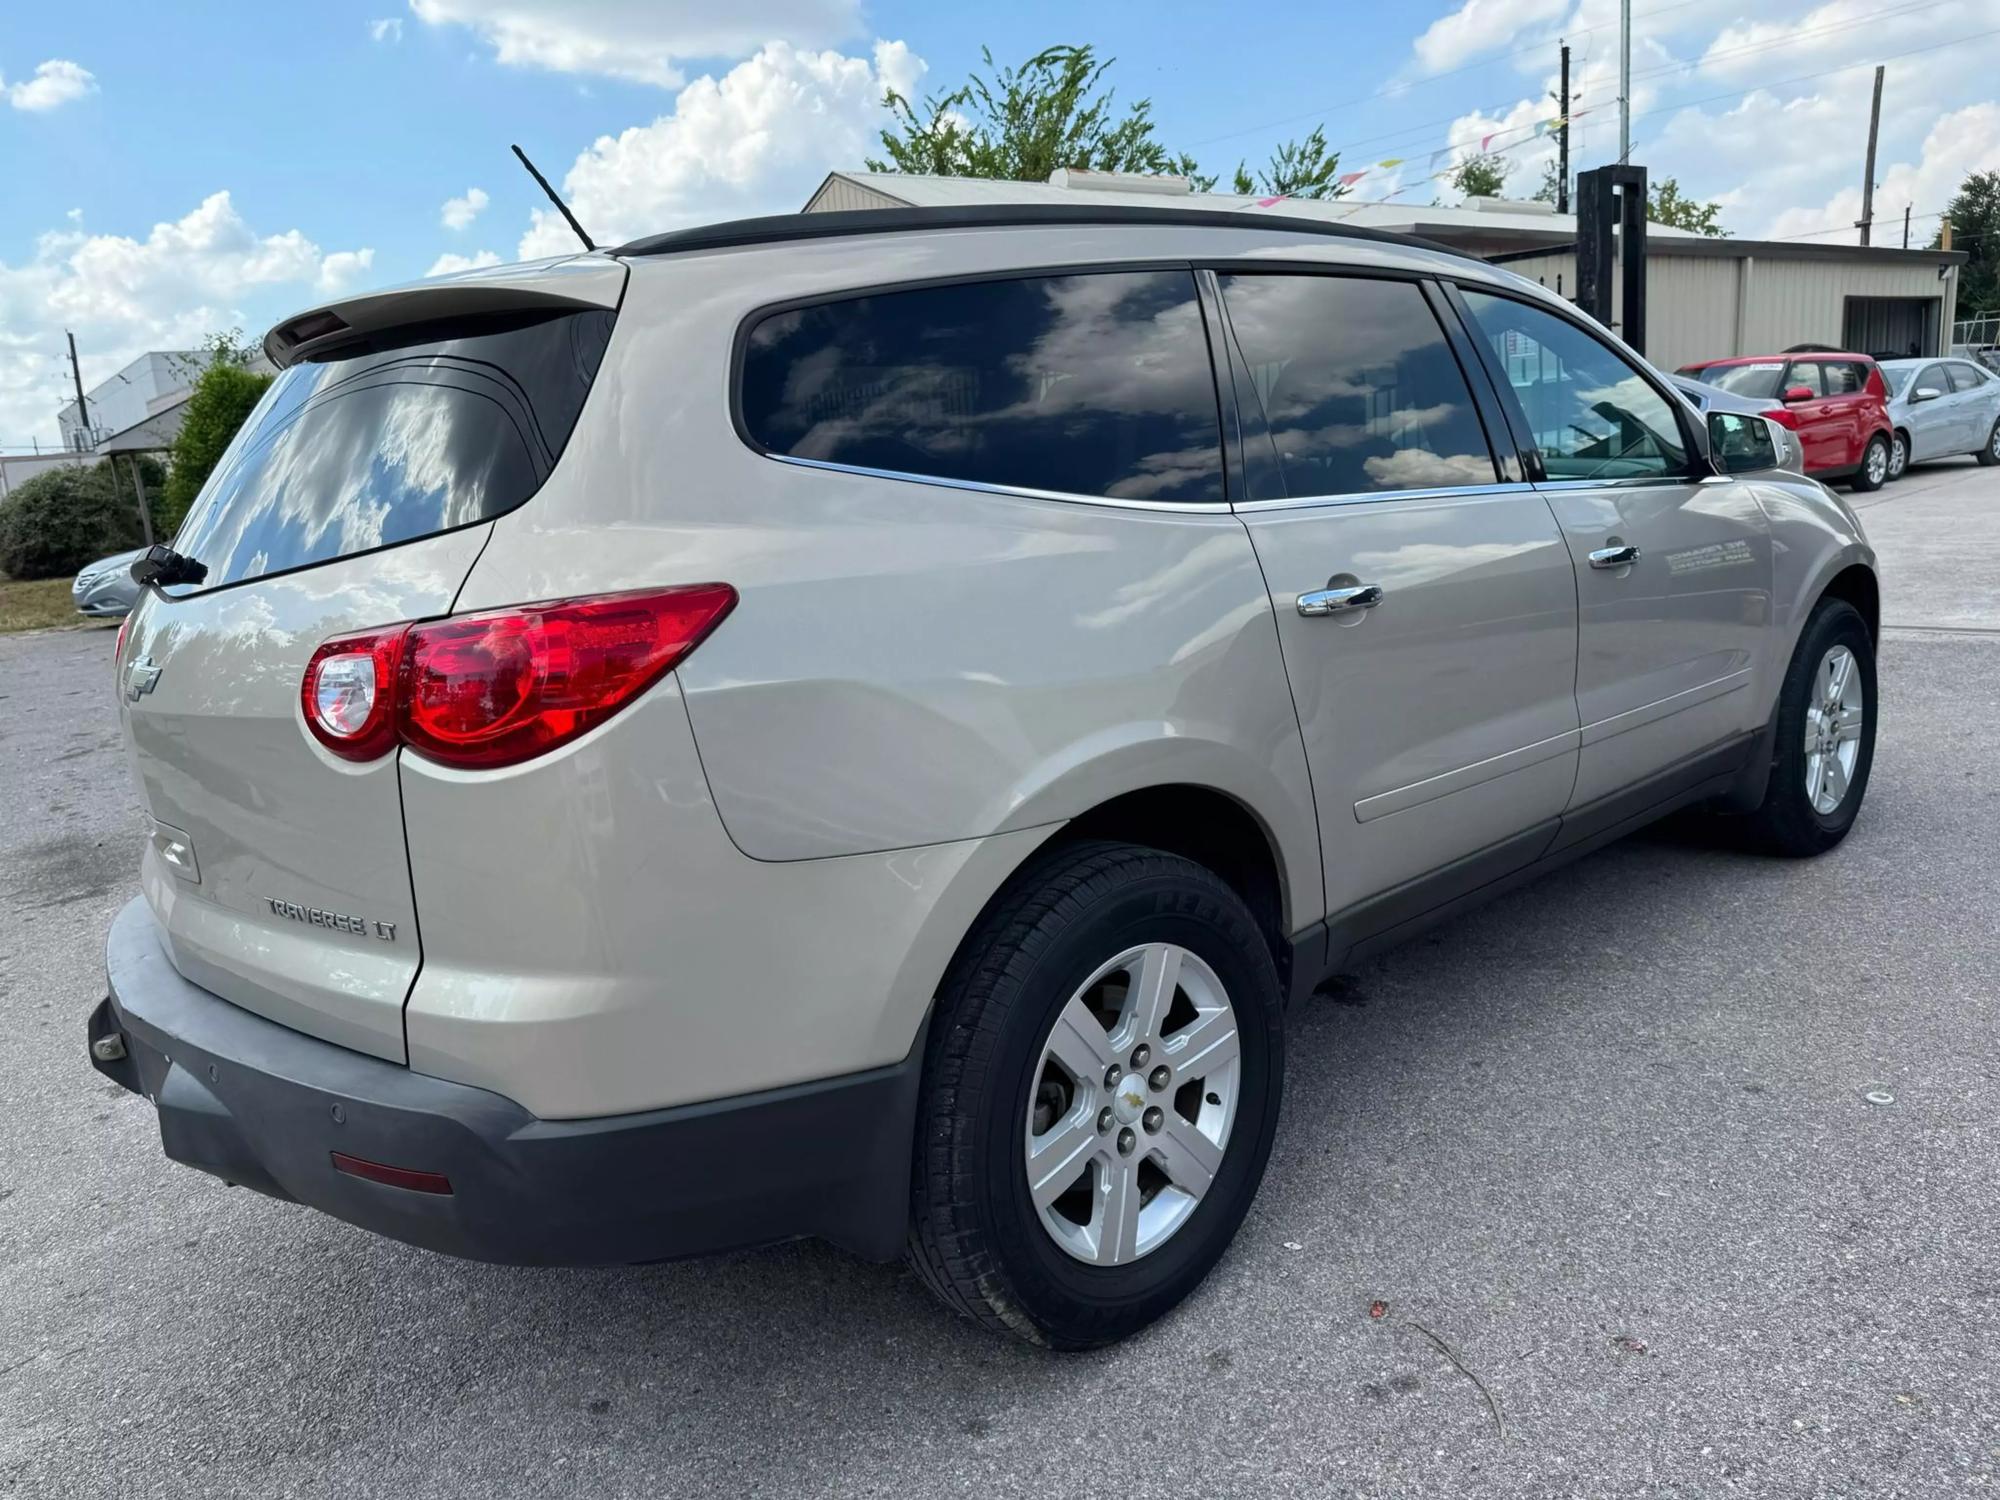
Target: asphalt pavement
[[1676, 1173]]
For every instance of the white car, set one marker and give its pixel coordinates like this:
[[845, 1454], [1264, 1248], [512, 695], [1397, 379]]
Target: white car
[[1941, 408]]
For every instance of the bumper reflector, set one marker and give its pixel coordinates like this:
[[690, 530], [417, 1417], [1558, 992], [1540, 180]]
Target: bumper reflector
[[400, 1177]]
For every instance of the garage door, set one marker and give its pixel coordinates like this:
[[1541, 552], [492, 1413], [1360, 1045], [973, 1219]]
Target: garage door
[[1891, 327]]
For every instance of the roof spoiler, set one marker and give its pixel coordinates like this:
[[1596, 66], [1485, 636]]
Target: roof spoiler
[[576, 281]]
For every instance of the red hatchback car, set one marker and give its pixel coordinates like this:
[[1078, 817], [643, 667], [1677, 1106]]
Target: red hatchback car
[[1836, 403]]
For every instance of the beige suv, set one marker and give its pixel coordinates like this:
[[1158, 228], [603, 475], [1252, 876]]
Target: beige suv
[[858, 725]]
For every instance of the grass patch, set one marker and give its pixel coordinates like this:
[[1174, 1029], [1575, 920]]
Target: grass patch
[[36, 605]]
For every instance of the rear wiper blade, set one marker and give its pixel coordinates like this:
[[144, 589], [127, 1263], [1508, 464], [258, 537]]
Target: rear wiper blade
[[162, 566]]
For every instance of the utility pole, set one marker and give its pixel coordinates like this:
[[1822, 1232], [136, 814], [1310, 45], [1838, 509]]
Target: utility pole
[[1906, 226], [1624, 81], [1868, 173], [76, 374], [1562, 140]]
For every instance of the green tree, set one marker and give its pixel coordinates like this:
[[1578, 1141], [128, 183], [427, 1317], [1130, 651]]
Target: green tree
[[1297, 169], [1665, 205], [1480, 177], [1975, 228], [63, 518], [1023, 123], [223, 396], [1550, 190]]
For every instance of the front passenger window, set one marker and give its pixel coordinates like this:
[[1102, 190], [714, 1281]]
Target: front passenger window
[[1591, 413]]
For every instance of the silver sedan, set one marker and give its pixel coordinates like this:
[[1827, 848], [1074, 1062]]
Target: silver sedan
[[104, 590], [1706, 398], [1942, 407]]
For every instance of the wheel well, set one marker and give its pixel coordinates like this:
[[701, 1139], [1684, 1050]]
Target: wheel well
[[1858, 587], [1208, 827]]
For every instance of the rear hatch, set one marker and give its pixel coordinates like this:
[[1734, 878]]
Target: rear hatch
[[358, 494]]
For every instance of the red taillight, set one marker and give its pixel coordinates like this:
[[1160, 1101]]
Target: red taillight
[[118, 646], [495, 688], [349, 692], [1784, 416]]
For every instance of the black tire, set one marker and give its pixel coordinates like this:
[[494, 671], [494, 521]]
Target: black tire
[[1787, 822], [1877, 452], [975, 1235], [1899, 456], [1989, 455]]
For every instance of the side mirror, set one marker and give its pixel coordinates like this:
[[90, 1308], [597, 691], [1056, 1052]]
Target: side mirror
[[1741, 444], [1795, 393], [1925, 393]]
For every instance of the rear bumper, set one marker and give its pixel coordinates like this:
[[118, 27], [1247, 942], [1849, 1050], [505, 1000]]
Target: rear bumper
[[266, 1107]]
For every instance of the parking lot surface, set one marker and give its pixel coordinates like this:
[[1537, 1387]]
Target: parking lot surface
[[1676, 1173]]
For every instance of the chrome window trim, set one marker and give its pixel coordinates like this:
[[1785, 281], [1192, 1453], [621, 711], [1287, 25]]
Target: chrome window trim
[[1215, 507], [1360, 497], [1626, 481]]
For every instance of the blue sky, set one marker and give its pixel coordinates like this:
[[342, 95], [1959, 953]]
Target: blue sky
[[339, 133]]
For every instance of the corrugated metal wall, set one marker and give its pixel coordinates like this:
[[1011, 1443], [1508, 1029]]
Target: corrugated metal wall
[[837, 193], [1709, 307]]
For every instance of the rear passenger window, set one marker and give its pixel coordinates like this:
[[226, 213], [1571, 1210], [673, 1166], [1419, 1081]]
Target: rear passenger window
[[1843, 379], [1358, 385], [1095, 384], [1592, 414], [1965, 377]]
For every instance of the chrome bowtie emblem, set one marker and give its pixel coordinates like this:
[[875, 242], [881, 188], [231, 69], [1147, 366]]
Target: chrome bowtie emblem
[[140, 677]]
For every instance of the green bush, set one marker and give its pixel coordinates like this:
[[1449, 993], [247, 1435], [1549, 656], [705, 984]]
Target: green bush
[[223, 396], [53, 524]]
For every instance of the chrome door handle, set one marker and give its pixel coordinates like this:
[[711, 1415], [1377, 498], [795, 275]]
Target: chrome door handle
[[1339, 601], [1614, 557]]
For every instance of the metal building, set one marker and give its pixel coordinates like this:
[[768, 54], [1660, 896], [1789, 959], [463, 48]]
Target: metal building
[[1705, 298]]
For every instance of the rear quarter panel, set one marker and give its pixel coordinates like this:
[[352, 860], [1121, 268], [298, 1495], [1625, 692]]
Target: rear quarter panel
[[911, 664]]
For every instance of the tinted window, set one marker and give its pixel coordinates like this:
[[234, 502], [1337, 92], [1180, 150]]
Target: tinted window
[[1089, 385], [1592, 415], [394, 439], [1357, 384], [1965, 377], [1843, 378], [1759, 381]]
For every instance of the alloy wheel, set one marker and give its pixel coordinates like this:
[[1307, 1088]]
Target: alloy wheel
[[1899, 458], [1878, 462], [1833, 729], [1130, 1108]]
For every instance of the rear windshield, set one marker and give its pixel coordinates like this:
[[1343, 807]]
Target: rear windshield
[[1758, 380], [419, 431]]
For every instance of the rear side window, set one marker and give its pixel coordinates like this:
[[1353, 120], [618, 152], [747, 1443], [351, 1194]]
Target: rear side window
[[1965, 377], [1758, 381], [1592, 414], [1359, 388], [1844, 377], [1095, 384], [418, 431]]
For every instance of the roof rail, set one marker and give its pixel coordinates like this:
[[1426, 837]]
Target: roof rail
[[778, 228]]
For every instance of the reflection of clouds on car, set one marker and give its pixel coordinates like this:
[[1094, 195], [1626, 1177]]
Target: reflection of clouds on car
[[1415, 468]]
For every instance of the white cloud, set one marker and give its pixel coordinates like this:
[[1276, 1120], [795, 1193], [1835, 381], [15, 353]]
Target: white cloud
[[1960, 143], [757, 140], [338, 271], [186, 278], [388, 29], [56, 82], [1478, 27], [637, 39], [459, 212], [449, 263]]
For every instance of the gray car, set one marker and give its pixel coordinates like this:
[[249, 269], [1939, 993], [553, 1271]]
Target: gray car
[[861, 725], [1941, 408], [105, 590], [1707, 398]]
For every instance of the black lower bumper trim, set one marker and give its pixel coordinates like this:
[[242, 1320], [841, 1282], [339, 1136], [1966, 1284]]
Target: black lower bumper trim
[[266, 1107]]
